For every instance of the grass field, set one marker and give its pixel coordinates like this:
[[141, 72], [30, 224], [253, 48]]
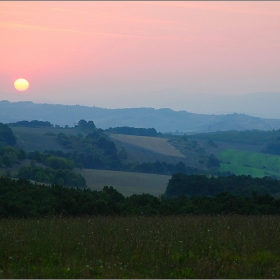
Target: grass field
[[127, 183], [249, 163], [134, 247], [157, 145]]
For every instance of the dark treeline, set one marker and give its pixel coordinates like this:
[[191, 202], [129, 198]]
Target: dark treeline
[[270, 139], [22, 199], [272, 147], [202, 185], [257, 137], [133, 131], [34, 123]]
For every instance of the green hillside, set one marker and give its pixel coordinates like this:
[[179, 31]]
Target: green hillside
[[249, 163]]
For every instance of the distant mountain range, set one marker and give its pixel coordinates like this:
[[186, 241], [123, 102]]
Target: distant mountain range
[[163, 120]]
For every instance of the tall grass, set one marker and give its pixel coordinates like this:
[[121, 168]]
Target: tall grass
[[136, 247]]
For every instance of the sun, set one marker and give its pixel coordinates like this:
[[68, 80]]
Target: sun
[[21, 84]]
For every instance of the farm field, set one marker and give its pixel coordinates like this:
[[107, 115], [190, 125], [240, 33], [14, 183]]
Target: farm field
[[249, 163], [127, 183], [156, 145], [141, 247]]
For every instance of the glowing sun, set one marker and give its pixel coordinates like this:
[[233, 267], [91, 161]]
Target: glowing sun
[[21, 84]]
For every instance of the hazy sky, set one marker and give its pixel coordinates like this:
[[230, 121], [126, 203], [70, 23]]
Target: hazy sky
[[135, 54]]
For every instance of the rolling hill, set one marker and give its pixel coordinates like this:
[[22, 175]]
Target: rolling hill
[[163, 120], [237, 152]]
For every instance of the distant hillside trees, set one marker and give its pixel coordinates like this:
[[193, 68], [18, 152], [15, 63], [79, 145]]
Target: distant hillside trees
[[85, 124], [272, 147], [255, 137], [133, 131], [9, 156], [165, 168], [33, 123], [213, 161], [7, 136], [95, 150], [56, 163], [51, 176]]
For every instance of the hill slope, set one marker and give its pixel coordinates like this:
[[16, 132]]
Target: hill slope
[[156, 145]]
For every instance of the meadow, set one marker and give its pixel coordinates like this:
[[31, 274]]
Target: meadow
[[249, 163], [136, 247], [127, 183]]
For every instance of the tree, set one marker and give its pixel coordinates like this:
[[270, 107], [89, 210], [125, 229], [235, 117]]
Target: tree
[[59, 163], [82, 123], [6, 136], [213, 161]]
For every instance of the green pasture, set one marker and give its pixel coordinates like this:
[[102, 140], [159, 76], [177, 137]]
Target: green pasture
[[127, 183], [249, 163]]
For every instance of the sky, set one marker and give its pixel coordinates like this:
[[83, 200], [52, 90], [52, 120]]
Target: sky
[[124, 54]]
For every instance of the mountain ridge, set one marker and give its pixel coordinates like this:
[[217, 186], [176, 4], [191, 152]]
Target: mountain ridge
[[163, 119]]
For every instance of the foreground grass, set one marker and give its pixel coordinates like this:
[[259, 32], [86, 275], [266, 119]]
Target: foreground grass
[[135, 247]]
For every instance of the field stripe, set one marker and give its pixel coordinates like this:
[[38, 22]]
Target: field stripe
[[157, 145], [127, 183]]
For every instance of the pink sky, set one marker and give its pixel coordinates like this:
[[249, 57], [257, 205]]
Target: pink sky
[[134, 54]]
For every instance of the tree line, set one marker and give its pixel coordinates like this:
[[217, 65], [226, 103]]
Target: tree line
[[23, 199], [202, 185], [133, 131], [34, 123], [255, 137]]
